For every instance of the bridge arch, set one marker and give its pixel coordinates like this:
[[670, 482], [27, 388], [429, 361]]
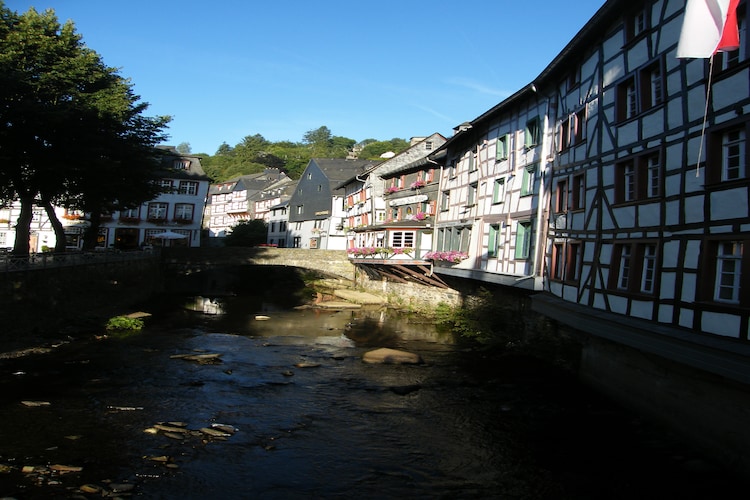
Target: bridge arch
[[333, 263]]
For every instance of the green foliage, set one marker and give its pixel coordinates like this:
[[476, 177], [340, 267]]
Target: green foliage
[[247, 233], [254, 153], [374, 149], [123, 323]]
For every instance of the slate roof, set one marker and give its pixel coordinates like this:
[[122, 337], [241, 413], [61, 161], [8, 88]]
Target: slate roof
[[338, 170], [194, 171]]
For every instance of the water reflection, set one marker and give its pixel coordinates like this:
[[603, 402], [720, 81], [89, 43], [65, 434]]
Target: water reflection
[[205, 305], [461, 425]]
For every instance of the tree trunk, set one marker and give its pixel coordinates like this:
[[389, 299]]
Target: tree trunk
[[60, 240], [23, 227], [92, 232]]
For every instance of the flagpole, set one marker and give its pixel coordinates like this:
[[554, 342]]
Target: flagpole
[[705, 115]]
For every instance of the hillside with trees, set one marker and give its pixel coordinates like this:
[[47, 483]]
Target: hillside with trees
[[254, 153]]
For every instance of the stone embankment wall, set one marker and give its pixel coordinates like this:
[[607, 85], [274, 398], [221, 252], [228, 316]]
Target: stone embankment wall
[[57, 300], [411, 296]]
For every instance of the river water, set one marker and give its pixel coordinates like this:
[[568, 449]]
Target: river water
[[305, 417]]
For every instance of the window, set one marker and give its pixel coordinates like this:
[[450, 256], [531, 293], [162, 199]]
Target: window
[[574, 78], [634, 267], [727, 154], [558, 267], [649, 269], [472, 161], [309, 176], [157, 211], [498, 191], [627, 104], [181, 164], [578, 193], [733, 154], [527, 181], [402, 239], [579, 123], [300, 209], [3, 239], [183, 212], [571, 261], [452, 169], [166, 184], [523, 240], [627, 173], [563, 136], [728, 267], [636, 24], [501, 147], [131, 213], [565, 261], [471, 199], [445, 201], [638, 178], [640, 92], [297, 242], [651, 87], [428, 145], [561, 200], [571, 130], [532, 133], [492, 242], [188, 187], [623, 278]]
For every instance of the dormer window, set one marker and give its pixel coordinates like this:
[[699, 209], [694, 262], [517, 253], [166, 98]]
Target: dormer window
[[181, 164]]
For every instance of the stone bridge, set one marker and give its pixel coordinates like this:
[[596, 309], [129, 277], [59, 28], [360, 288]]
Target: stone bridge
[[333, 263]]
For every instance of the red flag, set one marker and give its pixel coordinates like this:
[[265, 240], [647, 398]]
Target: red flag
[[730, 37], [708, 26]]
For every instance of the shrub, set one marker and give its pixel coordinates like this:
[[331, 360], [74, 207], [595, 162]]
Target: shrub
[[122, 323]]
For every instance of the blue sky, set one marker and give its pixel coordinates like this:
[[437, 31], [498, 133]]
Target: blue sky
[[231, 68]]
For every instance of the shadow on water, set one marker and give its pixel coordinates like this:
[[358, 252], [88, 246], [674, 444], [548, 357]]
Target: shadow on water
[[261, 400]]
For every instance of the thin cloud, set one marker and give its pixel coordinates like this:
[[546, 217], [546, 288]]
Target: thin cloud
[[478, 87]]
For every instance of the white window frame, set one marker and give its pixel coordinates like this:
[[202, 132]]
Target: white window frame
[[728, 272]]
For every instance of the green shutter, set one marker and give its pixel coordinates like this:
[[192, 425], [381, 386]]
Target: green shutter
[[492, 243], [498, 190], [501, 148], [523, 240]]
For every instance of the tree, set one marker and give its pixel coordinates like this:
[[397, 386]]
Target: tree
[[319, 141], [247, 233], [373, 150], [184, 148], [71, 129]]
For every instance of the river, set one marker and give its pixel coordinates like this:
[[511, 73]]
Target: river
[[289, 410]]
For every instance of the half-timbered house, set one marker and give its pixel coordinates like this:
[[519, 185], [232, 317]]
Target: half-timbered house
[[316, 206], [491, 221]]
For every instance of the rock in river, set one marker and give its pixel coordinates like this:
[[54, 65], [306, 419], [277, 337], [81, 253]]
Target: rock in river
[[391, 356]]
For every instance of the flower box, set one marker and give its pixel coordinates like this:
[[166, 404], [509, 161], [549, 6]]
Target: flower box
[[452, 256], [418, 184]]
